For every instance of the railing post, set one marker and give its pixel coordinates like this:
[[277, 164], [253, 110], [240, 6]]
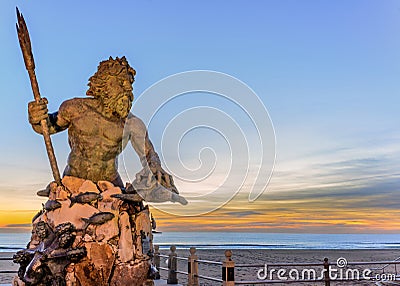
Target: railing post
[[156, 261], [327, 274], [172, 266], [228, 270], [193, 268]]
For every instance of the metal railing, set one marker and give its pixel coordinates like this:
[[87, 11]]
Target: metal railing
[[383, 268], [327, 271], [387, 271], [7, 271]]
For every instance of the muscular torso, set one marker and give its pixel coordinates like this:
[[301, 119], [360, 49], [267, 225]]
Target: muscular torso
[[95, 141]]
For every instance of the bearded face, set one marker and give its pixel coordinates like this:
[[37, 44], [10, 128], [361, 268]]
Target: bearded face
[[112, 85], [118, 99], [119, 107]]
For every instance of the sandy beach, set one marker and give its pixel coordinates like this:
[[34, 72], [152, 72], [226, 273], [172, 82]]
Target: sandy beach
[[252, 256], [280, 256]]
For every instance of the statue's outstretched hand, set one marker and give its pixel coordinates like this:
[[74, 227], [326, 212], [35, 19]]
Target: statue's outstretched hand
[[37, 111], [154, 184], [152, 174], [163, 177]]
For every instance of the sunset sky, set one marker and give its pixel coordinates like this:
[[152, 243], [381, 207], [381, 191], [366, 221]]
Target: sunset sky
[[327, 72]]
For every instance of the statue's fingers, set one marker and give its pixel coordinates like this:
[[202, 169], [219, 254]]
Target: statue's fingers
[[31, 104], [40, 116], [147, 170], [42, 109], [44, 116], [38, 109], [149, 177], [38, 104], [159, 177], [34, 119], [144, 172], [41, 104], [167, 180]]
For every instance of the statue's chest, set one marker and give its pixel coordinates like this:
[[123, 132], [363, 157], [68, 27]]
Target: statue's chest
[[94, 125]]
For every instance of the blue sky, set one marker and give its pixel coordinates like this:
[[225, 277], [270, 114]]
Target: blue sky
[[327, 71]]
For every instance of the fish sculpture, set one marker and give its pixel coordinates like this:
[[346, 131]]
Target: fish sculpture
[[135, 198], [45, 192], [51, 205], [98, 219], [84, 198]]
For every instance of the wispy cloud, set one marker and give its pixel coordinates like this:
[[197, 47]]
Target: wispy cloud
[[337, 190], [341, 189], [243, 213]]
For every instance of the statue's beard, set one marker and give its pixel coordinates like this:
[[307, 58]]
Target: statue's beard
[[116, 107]]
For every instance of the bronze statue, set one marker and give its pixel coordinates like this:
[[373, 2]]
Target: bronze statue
[[96, 125], [92, 228], [99, 127]]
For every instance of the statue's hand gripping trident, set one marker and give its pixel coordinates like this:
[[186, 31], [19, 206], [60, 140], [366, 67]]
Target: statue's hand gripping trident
[[25, 43]]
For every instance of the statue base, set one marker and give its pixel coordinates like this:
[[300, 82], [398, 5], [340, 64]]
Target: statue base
[[86, 235]]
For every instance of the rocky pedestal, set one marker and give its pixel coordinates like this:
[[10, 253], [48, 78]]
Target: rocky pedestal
[[88, 234]]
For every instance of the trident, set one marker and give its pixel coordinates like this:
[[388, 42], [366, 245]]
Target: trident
[[25, 43]]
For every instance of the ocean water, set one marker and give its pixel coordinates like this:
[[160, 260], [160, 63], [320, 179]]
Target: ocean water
[[231, 240], [12, 242]]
